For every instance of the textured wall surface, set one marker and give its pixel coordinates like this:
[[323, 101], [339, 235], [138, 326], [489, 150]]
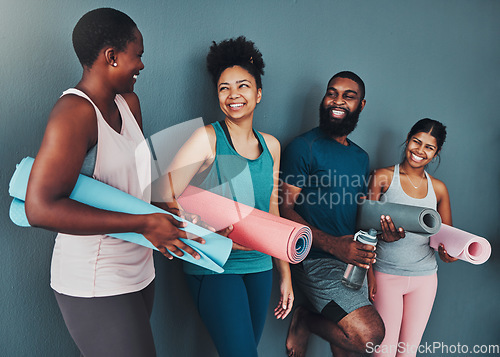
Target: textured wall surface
[[430, 58]]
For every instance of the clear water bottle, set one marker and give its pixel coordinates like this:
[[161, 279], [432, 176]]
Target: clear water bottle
[[354, 276]]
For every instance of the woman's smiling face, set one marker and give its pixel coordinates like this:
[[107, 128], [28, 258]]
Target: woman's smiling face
[[238, 93], [129, 64], [421, 148]]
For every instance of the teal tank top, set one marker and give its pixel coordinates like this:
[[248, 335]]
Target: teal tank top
[[242, 180]]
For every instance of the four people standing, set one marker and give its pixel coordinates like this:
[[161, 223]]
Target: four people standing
[[95, 129]]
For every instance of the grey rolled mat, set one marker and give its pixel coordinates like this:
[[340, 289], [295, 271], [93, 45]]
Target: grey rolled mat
[[411, 218]]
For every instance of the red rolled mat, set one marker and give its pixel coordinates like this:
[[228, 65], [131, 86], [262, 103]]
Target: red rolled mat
[[252, 228]]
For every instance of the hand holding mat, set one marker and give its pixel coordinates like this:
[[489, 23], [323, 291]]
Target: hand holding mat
[[255, 229], [411, 218], [462, 245], [214, 252]]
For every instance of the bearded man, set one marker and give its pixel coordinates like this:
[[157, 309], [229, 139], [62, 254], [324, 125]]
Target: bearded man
[[324, 176]]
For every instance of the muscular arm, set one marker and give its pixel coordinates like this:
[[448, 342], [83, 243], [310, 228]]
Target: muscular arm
[[71, 130], [344, 247]]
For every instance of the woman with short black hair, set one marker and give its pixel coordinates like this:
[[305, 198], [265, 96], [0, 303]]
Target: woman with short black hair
[[104, 286]]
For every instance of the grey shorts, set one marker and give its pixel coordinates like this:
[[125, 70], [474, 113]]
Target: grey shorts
[[320, 281]]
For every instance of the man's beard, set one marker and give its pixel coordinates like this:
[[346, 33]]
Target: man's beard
[[335, 128]]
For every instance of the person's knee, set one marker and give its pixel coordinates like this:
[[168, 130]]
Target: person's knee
[[364, 328], [367, 336], [373, 334]]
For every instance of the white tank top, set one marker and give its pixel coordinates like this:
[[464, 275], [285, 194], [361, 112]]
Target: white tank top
[[99, 265]]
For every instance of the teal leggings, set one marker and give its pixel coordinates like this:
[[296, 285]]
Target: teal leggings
[[233, 308]]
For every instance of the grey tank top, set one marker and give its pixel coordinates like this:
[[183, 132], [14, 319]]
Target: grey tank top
[[412, 255]]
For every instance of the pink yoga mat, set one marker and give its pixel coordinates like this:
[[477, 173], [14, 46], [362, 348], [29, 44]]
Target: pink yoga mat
[[252, 228], [462, 245]]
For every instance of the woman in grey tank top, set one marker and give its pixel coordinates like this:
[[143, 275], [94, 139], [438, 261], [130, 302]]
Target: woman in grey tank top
[[403, 281]]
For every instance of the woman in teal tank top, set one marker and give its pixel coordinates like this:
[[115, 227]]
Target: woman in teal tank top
[[232, 159]]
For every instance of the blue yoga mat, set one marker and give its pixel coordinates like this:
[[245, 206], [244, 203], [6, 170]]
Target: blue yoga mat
[[214, 252]]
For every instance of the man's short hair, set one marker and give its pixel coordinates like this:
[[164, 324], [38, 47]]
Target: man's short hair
[[353, 77]]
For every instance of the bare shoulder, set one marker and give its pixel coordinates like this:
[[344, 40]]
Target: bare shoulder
[[71, 131], [383, 176], [202, 139], [272, 143], [205, 132], [71, 105], [73, 114], [380, 180], [439, 187]]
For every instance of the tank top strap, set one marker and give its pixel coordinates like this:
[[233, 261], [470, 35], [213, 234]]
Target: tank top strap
[[257, 135], [222, 146], [262, 143], [129, 128], [395, 182], [128, 119], [396, 194], [430, 188], [80, 94]]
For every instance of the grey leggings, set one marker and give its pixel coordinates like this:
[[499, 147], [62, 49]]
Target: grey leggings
[[111, 326]]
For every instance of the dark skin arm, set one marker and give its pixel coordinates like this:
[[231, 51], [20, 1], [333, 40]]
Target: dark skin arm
[[444, 210], [70, 132], [379, 183], [344, 247]]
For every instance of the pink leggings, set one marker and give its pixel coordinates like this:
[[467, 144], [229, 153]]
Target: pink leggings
[[405, 304]]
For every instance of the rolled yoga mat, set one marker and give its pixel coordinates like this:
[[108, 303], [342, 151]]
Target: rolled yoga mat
[[411, 218], [214, 252], [252, 228], [462, 245]]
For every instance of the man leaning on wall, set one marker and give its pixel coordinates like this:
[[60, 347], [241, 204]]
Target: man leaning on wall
[[324, 177]]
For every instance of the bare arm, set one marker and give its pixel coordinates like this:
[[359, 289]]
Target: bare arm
[[444, 210], [344, 247], [283, 267], [443, 201], [195, 156]]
